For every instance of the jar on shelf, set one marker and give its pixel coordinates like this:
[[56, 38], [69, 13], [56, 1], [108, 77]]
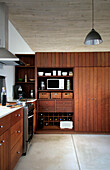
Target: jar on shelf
[[42, 85], [68, 85]]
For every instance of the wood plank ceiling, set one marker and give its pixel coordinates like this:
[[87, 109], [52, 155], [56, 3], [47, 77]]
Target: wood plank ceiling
[[60, 25]]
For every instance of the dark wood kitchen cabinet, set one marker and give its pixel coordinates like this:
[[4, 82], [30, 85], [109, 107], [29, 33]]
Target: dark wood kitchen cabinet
[[4, 151], [4, 143], [92, 99], [91, 88], [25, 75], [11, 139]]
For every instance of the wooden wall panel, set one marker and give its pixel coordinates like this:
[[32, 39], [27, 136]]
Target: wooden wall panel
[[88, 98], [76, 99], [109, 99], [84, 99], [68, 59], [57, 59], [95, 87], [80, 100], [92, 99], [99, 101], [49, 60], [77, 59], [72, 60]]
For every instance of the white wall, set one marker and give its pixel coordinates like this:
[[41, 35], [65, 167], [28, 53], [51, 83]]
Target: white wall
[[16, 45]]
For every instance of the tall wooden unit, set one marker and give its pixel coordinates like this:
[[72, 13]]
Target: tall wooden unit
[[90, 87], [92, 99], [25, 75], [54, 106]]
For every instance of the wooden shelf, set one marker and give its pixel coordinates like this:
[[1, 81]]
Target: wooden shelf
[[25, 66], [55, 90], [55, 76], [18, 82]]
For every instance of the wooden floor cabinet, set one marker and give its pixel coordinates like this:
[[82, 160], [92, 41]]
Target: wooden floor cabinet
[[92, 99], [90, 87], [11, 139]]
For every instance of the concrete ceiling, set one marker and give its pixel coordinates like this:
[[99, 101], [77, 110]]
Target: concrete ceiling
[[60, 25]]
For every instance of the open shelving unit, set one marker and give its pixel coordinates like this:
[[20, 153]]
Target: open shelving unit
[[29, 70], [51, 111]]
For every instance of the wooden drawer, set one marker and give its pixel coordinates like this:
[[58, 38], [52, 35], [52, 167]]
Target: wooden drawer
[[64, 109], [16, 132], [67, 95], [46, 103], [64, 106], [4, 151], [46, 106], [16, 116], [64, 103], [44, 95], [4, 123], [55, 95], [46, 109], [16, 153]]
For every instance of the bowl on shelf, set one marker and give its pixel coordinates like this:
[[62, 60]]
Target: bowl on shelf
[[64, 73], [40, 73], [31, 79], [20, 79]]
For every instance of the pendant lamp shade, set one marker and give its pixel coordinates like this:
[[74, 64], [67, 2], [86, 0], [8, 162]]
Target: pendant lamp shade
[[93, 37]]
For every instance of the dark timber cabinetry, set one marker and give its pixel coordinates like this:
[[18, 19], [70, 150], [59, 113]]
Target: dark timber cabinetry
[[90, 106]]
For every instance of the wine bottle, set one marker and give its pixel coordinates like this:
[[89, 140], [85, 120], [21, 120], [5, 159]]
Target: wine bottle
[[3, 97]]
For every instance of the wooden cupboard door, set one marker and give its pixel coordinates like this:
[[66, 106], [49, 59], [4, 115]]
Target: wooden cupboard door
[[92, 99], [4, 151]]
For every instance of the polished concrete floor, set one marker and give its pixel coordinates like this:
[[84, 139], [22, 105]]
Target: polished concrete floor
[[67, 152]]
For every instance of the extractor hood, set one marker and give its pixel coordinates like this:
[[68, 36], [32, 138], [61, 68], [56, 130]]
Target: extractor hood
[[6, 57]]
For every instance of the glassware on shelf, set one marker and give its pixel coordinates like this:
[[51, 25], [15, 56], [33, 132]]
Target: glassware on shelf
[[68, 85], [42, 85]]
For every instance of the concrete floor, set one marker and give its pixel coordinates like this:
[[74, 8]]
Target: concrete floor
[[67, 152]]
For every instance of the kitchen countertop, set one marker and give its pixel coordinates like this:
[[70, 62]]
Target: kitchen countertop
[[7, 110], [27, 101]]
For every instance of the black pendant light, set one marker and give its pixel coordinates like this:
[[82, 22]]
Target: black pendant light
[[93, 37]]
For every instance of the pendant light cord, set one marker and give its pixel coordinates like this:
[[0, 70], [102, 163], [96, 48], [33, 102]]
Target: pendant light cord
[[92, 14]]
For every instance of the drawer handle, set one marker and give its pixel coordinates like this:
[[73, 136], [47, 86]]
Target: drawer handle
[[63, 102], [18, 152], [3, 141], [1, 126], [18, 115], [46, 109], [18, 131], [0, 144]]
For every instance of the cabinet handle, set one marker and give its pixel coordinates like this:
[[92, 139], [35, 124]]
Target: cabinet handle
[[3, 141], [63, 102], [1, 126], [18, 152], [18, 131], [46, 109], [18, 115], [0, 144]]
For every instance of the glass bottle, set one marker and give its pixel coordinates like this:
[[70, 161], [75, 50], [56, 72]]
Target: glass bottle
[[68, 85], [42, 85], [3, 96]]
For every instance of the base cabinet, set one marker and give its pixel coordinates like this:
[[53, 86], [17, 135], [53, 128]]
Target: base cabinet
[[16, 153], [11, 139], [52, 112], [4, 151]]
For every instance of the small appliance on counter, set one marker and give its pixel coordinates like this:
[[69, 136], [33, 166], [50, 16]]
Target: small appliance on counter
[[17, 89]]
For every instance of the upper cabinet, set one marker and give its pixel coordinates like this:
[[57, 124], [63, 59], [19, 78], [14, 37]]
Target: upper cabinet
[[72, 59]]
